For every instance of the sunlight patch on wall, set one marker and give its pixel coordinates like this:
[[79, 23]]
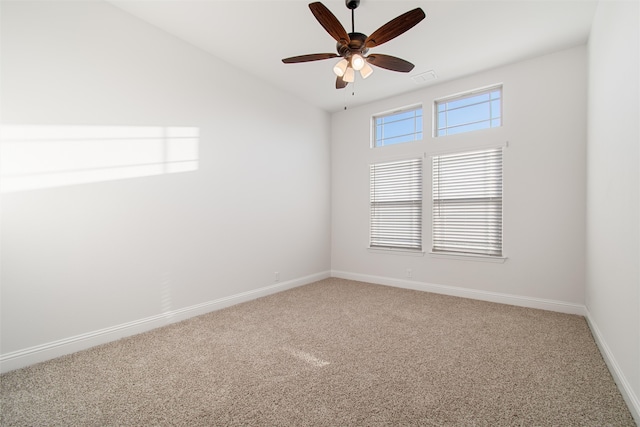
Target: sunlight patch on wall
[[33, 157]]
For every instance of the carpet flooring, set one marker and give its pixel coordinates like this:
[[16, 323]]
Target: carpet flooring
[[332, 353]]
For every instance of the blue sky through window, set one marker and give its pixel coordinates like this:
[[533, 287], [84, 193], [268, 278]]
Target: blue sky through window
[[396, 128], [470, 112]]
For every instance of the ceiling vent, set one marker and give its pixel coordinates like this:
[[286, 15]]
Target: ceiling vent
[[425, 77]]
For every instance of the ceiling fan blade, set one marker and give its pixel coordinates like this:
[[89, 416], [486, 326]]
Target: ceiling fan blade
[[308, 58], [390, 63], [395, 27], [329, 22], [340, 84]]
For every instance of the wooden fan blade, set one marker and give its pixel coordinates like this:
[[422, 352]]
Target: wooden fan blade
[[340, 84], [329, 22], [395, 27], [308, 58], [390, 63]]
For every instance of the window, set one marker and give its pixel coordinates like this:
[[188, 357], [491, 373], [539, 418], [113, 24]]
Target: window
[[396, 205], [469, 112], [397, 127], [467, 203]]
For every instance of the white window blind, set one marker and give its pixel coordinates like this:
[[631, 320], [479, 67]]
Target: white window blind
[[467, 203], [396, 205]]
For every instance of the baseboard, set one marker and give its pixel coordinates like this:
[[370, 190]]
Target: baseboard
[[621, 380], [521, 301], [40, 353]]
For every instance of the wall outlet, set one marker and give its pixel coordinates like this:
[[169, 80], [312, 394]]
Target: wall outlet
[[409, 273], [276, 276]]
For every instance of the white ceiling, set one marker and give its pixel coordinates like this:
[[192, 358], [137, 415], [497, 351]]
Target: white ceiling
[[457, 38]]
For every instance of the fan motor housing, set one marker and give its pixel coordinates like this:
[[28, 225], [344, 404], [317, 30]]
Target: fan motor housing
[[356, 45], [352, 4]]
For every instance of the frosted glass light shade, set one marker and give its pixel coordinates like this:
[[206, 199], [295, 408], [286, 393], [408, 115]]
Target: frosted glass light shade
[[340, 67], [349, 75], [357, 62], [366, 71]]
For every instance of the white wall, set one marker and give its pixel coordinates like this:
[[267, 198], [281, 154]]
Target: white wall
[[544, 104], [613, 191], [89, 257]]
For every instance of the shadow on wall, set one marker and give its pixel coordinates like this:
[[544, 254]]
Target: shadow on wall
[[34, 157]]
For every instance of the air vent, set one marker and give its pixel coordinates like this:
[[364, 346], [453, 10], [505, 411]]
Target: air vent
[[424, 77]]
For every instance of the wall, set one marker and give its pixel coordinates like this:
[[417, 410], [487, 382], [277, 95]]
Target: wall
[[544, 104], [613, 192], [98, 256]]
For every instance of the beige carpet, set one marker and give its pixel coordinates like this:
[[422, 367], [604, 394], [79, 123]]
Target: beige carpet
[[333, 353]]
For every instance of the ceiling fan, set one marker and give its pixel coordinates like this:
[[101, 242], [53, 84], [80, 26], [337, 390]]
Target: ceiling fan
[[353, 47]]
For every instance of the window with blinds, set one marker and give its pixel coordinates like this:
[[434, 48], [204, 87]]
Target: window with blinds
[[467, 203], [396, 205]]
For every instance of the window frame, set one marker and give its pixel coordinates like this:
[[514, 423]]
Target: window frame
[[466, 95], [397, 111]]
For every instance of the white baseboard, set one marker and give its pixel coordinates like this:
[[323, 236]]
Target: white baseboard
[[40, 353], [521, 301], [621, 380]]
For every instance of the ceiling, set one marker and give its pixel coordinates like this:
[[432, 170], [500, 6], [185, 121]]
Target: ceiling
[[457, 38]]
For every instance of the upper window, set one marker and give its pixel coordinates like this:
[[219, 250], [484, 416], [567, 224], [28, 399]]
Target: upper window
[[396, 205], [468, 112], [397, 127]]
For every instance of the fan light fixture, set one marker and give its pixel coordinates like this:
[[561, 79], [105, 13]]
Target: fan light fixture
[[357, 62], [366, 71], [349, 75], [341, 67]]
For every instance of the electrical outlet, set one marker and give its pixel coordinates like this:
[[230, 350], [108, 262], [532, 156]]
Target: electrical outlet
[[409, 273], [276, 276]]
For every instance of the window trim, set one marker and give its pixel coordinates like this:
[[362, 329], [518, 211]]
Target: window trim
[[405, 109], [469, 257]]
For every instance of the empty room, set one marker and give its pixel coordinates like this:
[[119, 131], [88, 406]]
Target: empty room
[[320, 213]]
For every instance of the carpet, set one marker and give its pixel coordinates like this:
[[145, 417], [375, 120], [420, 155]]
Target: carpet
[[332, 353]]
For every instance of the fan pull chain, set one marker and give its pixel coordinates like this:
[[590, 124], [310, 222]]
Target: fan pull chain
[[353, 93], [345, 98]]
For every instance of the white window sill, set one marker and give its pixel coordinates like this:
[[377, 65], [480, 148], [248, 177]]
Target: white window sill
[[469, 257], [405, 252]]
